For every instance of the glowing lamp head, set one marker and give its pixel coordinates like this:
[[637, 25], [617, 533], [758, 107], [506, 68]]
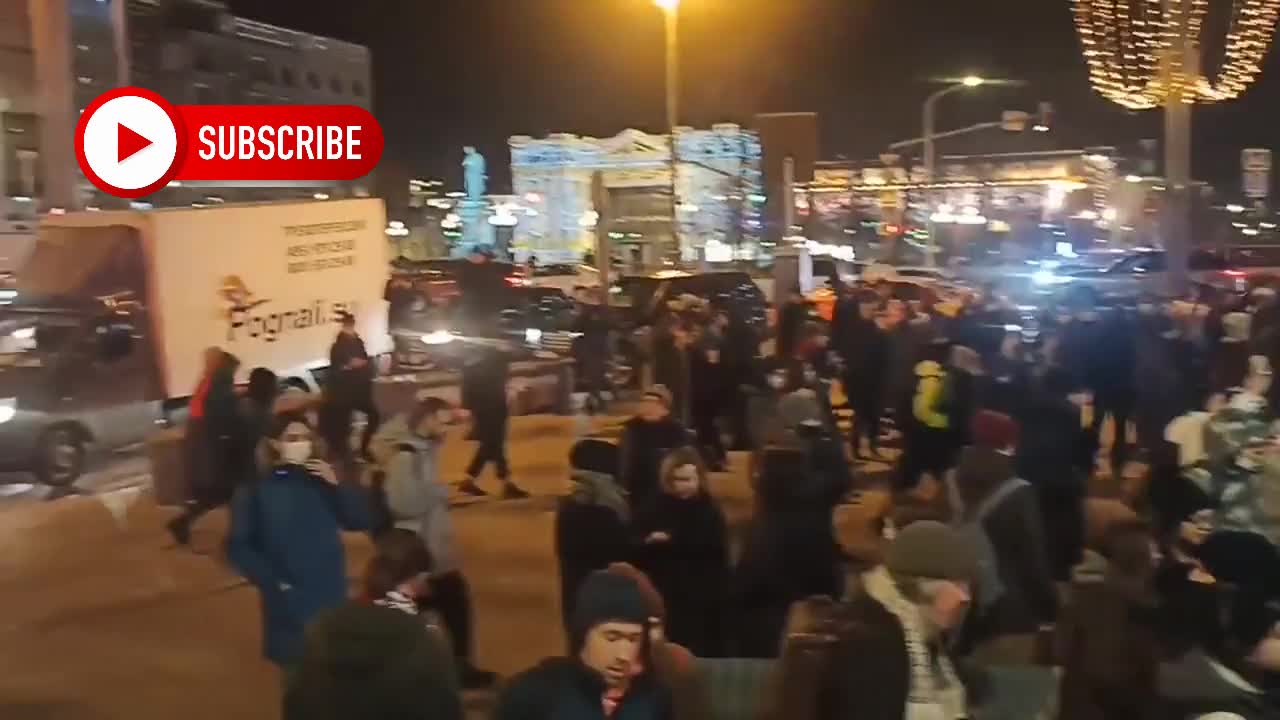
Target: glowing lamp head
[[668, 5], [972, 81]]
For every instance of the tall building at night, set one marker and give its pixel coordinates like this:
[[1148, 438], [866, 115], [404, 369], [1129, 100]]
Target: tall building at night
[[190, 52]]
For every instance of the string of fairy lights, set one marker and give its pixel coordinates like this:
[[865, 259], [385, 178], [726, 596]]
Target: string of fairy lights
[[1130, 47]]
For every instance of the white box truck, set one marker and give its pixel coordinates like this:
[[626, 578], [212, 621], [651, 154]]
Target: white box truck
[[112, 311]]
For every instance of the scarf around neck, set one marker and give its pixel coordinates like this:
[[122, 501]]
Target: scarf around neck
[[925, 699]]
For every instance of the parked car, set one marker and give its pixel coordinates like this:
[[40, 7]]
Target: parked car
[[1144, 271]]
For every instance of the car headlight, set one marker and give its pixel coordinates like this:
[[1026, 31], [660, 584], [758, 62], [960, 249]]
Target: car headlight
[[439, 337], [26, 333], [1046, 277], [8, 409], [532, 336]]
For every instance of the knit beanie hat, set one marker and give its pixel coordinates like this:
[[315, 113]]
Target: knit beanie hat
[[607, 597], [653, 598], [932, 550], [993, 430]]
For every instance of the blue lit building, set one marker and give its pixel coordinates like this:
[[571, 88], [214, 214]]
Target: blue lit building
[[718, 184]]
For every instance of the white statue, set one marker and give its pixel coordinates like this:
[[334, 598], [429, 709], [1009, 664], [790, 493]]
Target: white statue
[[473, 173]]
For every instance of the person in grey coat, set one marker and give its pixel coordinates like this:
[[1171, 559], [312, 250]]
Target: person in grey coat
[[408, 450]]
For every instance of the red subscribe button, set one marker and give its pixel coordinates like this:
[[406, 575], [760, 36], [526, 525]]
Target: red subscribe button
[[131, 142]]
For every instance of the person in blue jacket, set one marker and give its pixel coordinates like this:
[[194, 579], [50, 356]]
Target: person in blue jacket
[[285, 536]]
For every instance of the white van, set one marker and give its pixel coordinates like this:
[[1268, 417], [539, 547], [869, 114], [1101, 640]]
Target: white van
[[112, 311]]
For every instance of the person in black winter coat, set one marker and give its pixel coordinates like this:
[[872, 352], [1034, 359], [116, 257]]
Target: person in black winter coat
[[484, 394], [1008, 378], [671, 340], [684, 548], [709, 389], [214, 459], [591, 529], [646, 439], [352, 379], [591, 350], [790, 552], [1112, 382], [1055, 455], [739, 360], [864, 346]]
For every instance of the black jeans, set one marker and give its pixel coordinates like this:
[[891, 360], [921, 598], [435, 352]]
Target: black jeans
[[451, 598], [709, 441], [491, 432], [865, 401]]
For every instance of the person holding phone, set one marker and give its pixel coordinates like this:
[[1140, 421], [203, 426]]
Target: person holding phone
[[285, 536]]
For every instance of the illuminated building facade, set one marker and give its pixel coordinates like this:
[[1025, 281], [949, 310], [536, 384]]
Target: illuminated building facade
[[1029, 198], [718, 183]]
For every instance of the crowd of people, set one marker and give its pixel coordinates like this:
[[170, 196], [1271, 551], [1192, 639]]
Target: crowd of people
[[988, 565]]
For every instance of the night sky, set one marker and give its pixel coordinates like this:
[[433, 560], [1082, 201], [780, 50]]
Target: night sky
[[455, 72]]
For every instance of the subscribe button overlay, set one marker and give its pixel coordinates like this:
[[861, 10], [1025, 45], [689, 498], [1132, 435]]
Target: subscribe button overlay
[[131, 142]]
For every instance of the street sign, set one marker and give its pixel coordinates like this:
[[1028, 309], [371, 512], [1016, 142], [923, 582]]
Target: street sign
[[1256, 166]]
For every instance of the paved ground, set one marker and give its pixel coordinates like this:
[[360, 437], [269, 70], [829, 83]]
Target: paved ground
[[104, 619]]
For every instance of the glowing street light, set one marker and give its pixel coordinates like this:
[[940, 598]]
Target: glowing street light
[[668, 5], [966, 83]]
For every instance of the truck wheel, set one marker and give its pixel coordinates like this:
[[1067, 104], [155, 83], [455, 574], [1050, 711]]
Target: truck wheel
[[60, 456]]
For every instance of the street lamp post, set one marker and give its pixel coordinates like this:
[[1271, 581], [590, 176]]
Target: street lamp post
[[671, 10], [930, 160]]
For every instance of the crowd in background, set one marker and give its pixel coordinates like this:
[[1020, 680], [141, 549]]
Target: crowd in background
[[989, 563]]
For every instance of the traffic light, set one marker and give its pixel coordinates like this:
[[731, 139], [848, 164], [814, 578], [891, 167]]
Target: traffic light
[[1044, 118]]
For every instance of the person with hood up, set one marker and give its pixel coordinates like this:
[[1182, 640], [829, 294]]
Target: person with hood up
[[608, 674], [673, 665], [285, 536], [592, 526], [888, 659], [1055, 455], [685, 550], [408, 448], [378, 657], [646, 439], [984, 490]]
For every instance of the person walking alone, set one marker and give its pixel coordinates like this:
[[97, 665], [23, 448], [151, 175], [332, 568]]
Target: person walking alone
[[484, 394], [353, 380]]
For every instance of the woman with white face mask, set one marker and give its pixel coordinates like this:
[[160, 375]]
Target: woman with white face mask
[[285, 536]]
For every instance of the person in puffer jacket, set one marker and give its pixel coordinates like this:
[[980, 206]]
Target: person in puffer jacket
[[407, 448]]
